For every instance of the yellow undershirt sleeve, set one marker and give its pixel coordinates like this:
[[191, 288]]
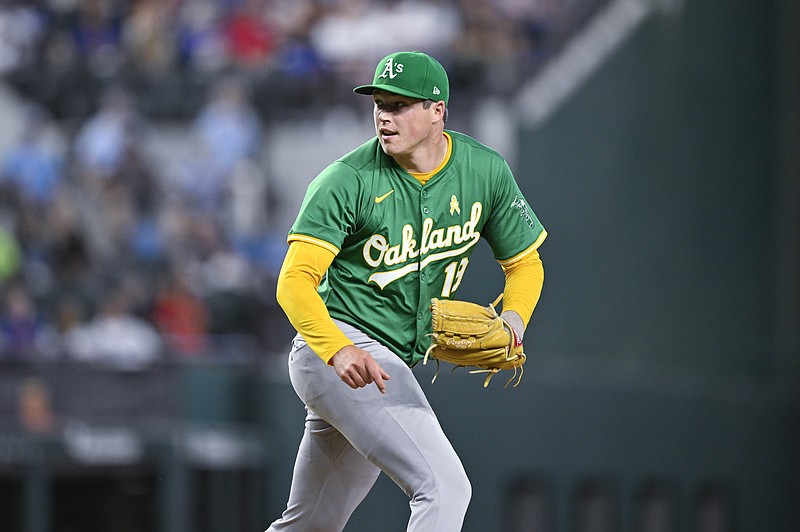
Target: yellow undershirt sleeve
[[300, 276], [524, 280]]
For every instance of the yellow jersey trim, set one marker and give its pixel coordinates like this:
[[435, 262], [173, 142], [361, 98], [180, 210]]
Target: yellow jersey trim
[[311, 240], [519, 256]]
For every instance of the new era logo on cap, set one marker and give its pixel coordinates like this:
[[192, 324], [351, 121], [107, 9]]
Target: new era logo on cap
[[413, 74]]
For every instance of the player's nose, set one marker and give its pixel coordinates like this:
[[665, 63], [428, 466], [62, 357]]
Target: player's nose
[[382, 115]]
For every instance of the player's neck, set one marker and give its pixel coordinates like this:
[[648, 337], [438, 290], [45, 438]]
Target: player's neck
[[426, 157]]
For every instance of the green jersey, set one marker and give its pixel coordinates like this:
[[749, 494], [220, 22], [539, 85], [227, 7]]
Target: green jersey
[[398, 243]]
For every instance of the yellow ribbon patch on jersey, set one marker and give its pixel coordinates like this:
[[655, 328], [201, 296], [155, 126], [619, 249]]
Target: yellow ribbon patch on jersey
[[454, 205]]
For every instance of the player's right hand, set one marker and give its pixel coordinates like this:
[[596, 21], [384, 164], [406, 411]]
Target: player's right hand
[[357, 368]]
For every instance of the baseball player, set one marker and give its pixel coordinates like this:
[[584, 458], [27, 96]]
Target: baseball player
[[381, 232]]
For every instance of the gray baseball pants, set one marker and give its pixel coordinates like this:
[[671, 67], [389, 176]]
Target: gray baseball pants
[[352, 435]]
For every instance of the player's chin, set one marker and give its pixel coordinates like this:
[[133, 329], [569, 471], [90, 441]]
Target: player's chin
[[391, 145]]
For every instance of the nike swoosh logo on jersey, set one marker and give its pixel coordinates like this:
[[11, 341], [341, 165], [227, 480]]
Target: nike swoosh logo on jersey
[[379, 199]]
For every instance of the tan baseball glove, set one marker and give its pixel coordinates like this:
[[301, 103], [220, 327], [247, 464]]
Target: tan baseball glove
[[469, 335]]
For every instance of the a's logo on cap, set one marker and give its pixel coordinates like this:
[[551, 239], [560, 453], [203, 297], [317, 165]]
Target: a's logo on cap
[[391, 69]]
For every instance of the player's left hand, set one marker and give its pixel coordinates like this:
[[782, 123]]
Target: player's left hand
[[357, 368]]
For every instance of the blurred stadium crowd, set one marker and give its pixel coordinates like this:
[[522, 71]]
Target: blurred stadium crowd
[[63, 52], [106, 253]]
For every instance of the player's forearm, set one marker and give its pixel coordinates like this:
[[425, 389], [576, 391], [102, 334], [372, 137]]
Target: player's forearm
[[515, 320], [297, 295], [523, 287]]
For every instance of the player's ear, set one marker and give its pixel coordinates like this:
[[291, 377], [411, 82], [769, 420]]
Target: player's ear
[[439, 111]]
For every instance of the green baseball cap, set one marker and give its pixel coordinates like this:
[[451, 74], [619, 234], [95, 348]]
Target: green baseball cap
[[413, 74]]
